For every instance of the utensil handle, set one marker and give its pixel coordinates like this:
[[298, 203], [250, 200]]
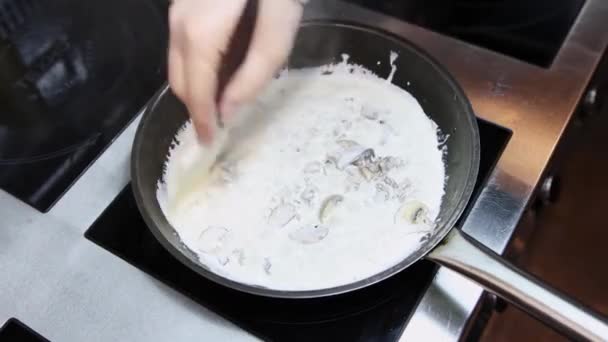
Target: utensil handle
[[462, 254]]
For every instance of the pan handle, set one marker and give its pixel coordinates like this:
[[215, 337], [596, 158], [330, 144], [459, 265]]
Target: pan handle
[[468, 257]]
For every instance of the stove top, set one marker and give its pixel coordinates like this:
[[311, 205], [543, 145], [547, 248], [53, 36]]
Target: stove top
[[376, 313], [73, 74], [16, 331], [60, 279], [532, 31]]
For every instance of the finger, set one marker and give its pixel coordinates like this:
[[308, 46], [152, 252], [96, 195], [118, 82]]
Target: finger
[[277, 24], [201, 85], [176, 71], [204, 40]]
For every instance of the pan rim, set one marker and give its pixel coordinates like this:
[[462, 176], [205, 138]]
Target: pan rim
[[441, 231]]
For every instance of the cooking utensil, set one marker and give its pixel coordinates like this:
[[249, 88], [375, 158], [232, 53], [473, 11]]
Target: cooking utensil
[[322, 42]]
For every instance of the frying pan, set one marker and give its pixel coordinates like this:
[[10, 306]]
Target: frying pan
[[322, 42]]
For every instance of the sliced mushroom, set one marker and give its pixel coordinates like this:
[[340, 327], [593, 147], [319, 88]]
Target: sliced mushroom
[[373, 167], [366, 158], [382, 193], [390, 182], [309, 234], [345, 144], [404, 189], [281, 215], [369, 112], [414, 212], [309, 194], [353, 172], [347, 124], [366, 173], [389, 163], [312, 167], [240, 256], [357, 155], [354, 178], [267, 266], [349, 156], [329, 206], [223, 260], [211, 239]]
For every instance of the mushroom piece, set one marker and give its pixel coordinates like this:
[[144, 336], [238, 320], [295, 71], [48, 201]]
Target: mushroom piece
[[389, 163], [404, 189], [414, 212], [357, 155], [240, 256], [211, 239], [281, 215], [354, 178], [373, 167], [267, 266], [312, 167], [223, 260], [309, 234], [390, 182], [347, 124], [369, 112], [345, 144], [366, 158], [329, 206], [309, 194], [366, 173], [382, 193]]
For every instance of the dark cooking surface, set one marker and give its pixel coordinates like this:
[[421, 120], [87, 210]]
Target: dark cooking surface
[[376, 313], [532, 31], [15, 331], [73, 74]]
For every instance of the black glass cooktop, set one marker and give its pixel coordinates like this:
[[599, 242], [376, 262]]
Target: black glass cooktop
[[73, 74], [15, 331], [532, 31], [375, 313]]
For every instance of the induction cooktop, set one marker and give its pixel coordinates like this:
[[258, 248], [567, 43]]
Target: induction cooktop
[[532, 31], [73, 74], [376, 313]]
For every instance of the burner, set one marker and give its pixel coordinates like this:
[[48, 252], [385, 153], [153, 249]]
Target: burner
[[375, 313], [532, 31], [15, 331], [73, 76]]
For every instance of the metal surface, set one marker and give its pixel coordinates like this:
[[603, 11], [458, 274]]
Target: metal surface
[[443, 100], [466, 256], [68, 289], [319, 43]]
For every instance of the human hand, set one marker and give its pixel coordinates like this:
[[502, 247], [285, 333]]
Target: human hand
[[200, 32]]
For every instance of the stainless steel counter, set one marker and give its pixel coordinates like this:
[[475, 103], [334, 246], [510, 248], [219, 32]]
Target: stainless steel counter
[[69, 289]]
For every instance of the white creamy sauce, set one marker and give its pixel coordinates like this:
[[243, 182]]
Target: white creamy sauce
[[340, 179]]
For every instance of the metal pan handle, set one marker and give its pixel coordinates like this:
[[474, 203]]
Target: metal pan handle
[[462, 254]]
